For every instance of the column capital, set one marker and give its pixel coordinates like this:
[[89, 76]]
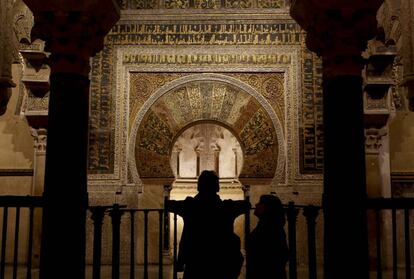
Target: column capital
[[73, 30], [373, 140], [246, 190], [338, 31], [40, 139], [167, 190]]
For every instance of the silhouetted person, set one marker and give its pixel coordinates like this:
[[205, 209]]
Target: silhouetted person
[[267, 250], [209, 248]]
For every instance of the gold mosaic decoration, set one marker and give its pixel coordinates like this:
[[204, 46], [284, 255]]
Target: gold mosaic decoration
[[194, 97], [209, 101], [257, 134], [143, 85], [156, 136], [270, 85]]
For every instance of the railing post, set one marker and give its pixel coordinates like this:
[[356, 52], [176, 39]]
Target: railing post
[[394, 244], [175, 248], [407, 243], [378, 242], [4, 242], [97, 217], [146, 244], [246, 192], [116, 214], [160, 254], [167, 190], [30, 244], [311, 212], [16, 242], [292, 214], [132, 250]]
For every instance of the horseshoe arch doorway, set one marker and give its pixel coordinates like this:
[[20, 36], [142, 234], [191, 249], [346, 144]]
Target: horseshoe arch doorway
[[217, 102]]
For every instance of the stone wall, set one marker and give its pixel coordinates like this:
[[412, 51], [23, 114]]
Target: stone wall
[[16, 146], [16, 164]]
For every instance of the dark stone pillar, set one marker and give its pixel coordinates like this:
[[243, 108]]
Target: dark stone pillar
[[338, 31], [73, 32], [6, 54], [65, 192], [346, 251]]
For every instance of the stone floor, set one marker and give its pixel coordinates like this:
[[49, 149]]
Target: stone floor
[[106, 273]]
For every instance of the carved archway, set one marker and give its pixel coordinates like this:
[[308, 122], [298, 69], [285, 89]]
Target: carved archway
[[206, 145], [233, 103]]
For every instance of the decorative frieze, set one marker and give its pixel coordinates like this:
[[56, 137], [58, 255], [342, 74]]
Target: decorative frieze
[[311, 115], [278, 33], [378, 80], [207, 59], [36, 84], [398, 99], [202, 4]]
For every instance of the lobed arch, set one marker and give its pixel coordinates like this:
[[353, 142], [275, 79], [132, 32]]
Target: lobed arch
[[209, 121]]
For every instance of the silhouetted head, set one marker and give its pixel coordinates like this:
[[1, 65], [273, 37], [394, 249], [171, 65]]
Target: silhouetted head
[[270, 206], [208, 182]]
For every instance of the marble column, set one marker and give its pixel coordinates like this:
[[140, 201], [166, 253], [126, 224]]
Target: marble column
[[378, 181], [73, 32], [236, 173], [378, 79], [198, 151], [176, 161], [338, 31], [40, 141], [216, 156]]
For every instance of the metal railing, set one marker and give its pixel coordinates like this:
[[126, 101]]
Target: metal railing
[[18, 215], [18, 235], [398, 210], [116, 211], [310, 212]]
